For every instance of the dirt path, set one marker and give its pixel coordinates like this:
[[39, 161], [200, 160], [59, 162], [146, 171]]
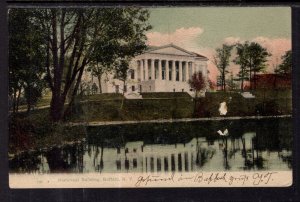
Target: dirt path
[[103, 123]]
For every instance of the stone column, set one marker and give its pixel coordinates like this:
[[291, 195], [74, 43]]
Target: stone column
[[173, 71], [187, 71], [152, 70], [146, 69], [159, 70], [155, 163], [141, 70], [148, 164], [167, 70], [193, 68], [169, 163], [144, 164], [189, 161], [180, 71], [176, 162], [162, 161]]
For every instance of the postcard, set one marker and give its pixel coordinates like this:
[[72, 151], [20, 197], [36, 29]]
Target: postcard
[[144, 97]]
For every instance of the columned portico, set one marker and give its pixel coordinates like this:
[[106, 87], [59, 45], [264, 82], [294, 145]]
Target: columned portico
[[160, 69]]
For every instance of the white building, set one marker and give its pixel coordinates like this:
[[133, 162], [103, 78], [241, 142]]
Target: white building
[[159, 69]]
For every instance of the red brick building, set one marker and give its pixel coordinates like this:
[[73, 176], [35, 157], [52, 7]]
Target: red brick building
[[274, 81]]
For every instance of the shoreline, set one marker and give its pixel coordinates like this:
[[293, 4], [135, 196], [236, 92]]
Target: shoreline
[[104, 123], [11, 155]]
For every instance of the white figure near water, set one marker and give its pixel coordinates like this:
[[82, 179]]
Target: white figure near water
[[223, 108], [225, 133]]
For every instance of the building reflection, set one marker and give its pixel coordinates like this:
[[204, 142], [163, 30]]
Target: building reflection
[[198, 154], [236, 154]]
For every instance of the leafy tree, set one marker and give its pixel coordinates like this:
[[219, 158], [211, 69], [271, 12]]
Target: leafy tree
[[75, 38], [121, 72], [231, 82], [242, 61], [198, 83], [257, 58], [26, 58], [222, 61], [286, 66]]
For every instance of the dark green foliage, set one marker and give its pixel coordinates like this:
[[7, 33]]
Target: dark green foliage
[[222, 61], [286, 66], [62, 42], [26, 58]]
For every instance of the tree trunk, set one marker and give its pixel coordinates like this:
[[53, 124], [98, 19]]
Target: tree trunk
[[254, 77], [250, 75], [99, 81], [123, 95], [223, 81], [14, 100], [71, 103], [56, 108], [242, 84], [28, 107], [18, 99]]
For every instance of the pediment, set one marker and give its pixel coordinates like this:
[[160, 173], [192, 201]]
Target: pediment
[[171, 50]]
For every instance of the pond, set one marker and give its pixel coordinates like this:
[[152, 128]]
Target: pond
[[262, 144]]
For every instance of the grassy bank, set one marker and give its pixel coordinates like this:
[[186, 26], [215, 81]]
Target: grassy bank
[[35, 131], [180, 105]]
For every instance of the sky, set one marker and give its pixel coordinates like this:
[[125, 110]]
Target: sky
[[203, 29]]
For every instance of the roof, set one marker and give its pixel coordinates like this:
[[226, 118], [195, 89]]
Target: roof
[[152, 48]]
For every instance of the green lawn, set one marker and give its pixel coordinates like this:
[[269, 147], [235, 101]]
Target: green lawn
[[179, 105], [35, 130]]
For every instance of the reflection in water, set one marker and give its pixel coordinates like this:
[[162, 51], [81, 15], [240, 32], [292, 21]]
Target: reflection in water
[[198, 154]]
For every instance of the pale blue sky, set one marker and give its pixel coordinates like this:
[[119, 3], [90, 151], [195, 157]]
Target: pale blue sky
[[221, 22], [203, 29]]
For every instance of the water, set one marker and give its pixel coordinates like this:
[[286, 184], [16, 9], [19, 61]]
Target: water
[[180, 147]]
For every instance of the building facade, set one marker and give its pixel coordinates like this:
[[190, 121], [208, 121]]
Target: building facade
[[159, 69]]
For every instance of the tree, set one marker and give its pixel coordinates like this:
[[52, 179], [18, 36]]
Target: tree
[[257, 58], [285, 67], [198, 83], [231, 82], [222, 61], [242, 61], [74, 37], [121, 73], [26, 58]]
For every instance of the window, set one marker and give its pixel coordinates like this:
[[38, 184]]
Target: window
[[132, 88], [132, 74], [125, 88], [140, 88]]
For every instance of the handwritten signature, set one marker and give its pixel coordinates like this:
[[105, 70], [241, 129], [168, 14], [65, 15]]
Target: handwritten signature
[[255, 179], [153, 178]]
